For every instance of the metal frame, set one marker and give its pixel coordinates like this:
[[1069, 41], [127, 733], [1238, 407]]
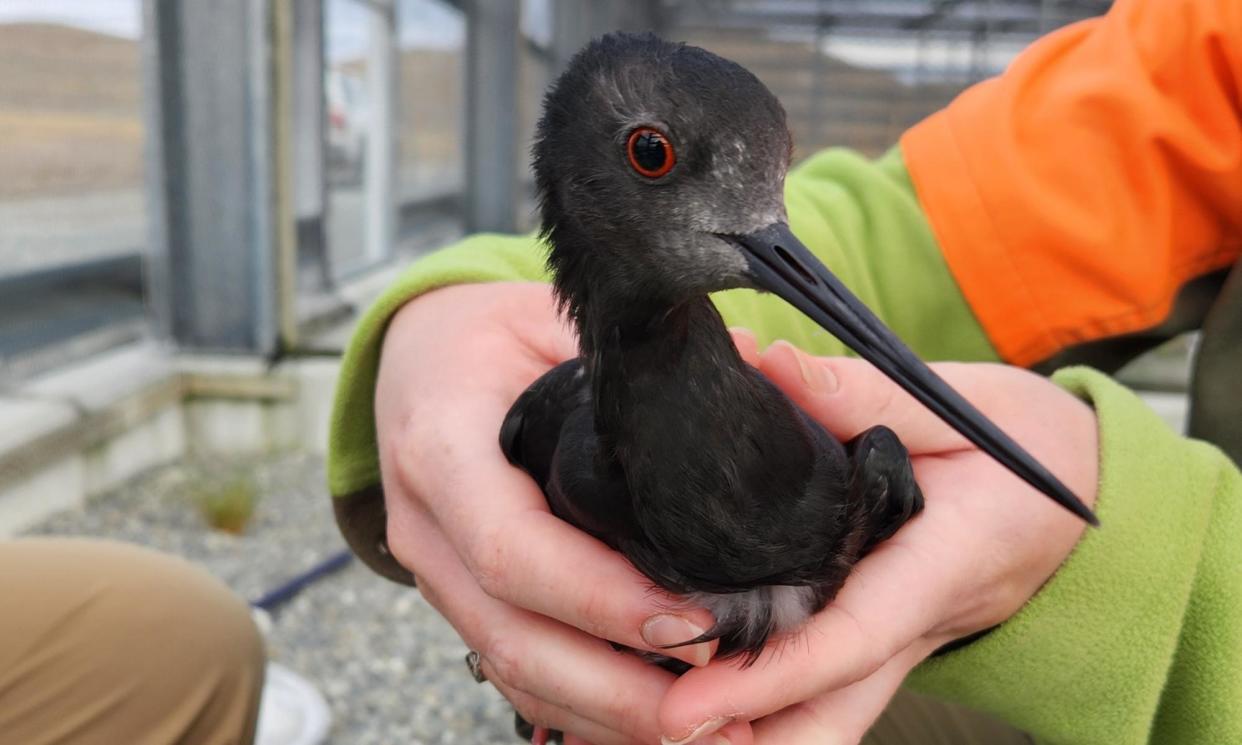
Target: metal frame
[[379, 192], [492, 43], [491, 112], [213, 182], [231, 189], [309, 166], [964, 20]]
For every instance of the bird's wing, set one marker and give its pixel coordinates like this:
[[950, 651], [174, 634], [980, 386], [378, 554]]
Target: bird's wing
[[549, 433], [532, 428]]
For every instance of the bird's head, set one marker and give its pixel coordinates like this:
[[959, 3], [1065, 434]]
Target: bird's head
[[648, 156]]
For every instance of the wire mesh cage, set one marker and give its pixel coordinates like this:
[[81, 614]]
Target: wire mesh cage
[[857, 73]]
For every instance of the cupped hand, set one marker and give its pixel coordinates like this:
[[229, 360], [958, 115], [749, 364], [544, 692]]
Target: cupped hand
[[531, 594], [984, 544]]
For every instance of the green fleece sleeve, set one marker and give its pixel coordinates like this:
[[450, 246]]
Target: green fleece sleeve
[[1138, 637], [353, 457], [859, 216]]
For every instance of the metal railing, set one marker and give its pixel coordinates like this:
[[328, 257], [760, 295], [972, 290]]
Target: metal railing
[[239, 197]]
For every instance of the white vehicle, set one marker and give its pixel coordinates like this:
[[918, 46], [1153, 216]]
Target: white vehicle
[[347, 125]]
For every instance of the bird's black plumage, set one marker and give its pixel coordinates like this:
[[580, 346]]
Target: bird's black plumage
[[659, 439], [660, 169]]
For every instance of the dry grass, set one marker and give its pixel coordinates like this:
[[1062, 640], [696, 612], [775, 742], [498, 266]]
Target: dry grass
[[227, 502], [58, 152]]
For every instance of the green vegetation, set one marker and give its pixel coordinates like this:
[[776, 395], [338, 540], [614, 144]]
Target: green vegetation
[[227, 502]]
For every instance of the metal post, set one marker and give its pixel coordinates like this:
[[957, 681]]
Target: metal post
[[574, 23], [309, 158], [921, 76], [160, 110], [820, 91], [213, 180], [569, 31], [638, 15], [1215, 408], [982, 57], [491, 115], [284, 230], [380, 184], [1045, 16]]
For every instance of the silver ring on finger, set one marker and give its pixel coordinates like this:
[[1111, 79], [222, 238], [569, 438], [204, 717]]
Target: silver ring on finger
[[474, 663]]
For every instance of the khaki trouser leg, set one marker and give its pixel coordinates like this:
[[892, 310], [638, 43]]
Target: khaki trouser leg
[[911, 719], [109, 644]]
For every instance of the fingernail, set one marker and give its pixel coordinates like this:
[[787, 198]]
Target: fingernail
[[666, 630], [746, 342], [815, 374], [742, 331], [703, 730]]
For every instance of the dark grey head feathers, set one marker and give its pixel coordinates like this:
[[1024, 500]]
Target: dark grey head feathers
[[619, 228]]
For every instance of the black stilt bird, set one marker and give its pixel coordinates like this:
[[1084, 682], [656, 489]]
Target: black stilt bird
[[660, 169]]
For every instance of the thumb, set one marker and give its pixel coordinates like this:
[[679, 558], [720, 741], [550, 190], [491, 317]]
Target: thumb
[[849, 396], [843, 716], [747, 344]]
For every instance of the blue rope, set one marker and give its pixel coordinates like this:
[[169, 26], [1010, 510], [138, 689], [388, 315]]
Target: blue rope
[[285, 592]]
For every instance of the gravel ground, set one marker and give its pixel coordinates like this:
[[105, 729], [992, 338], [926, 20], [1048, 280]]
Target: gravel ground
[[389, 666]]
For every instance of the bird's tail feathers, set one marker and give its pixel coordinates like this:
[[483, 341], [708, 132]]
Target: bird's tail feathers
[[746, 620]]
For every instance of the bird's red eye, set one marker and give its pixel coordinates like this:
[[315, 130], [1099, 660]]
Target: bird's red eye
[[651, 154]]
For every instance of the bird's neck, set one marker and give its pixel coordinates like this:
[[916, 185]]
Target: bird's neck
[[611, 320], [640, 337], [663, 357], [603, 290]]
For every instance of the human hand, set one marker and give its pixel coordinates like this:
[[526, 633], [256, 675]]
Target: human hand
[[531, 594], [983, 545]]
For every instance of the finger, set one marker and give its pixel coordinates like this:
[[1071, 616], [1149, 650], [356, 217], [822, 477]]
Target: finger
[[849, 396], [747, 344], [889, 601], [541, 657], [846, 402], [499, 524], [843, 716], [543, 714], [541, 563], [525, 310], [536, 320]]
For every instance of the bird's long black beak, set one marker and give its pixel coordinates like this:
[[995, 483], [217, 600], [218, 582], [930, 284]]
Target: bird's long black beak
[[781, 264]]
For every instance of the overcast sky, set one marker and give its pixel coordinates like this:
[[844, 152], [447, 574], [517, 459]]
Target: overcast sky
[[116, 17], [424, 23], [433, 23]]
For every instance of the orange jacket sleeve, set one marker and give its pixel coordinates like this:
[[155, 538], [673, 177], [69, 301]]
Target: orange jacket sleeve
[[1074, 195]]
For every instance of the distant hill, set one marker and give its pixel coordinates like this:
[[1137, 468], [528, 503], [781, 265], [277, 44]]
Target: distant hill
[[71, 103], [48, 67], [70, 111]]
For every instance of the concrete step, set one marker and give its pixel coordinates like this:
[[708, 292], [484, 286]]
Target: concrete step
[[67, 436]]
